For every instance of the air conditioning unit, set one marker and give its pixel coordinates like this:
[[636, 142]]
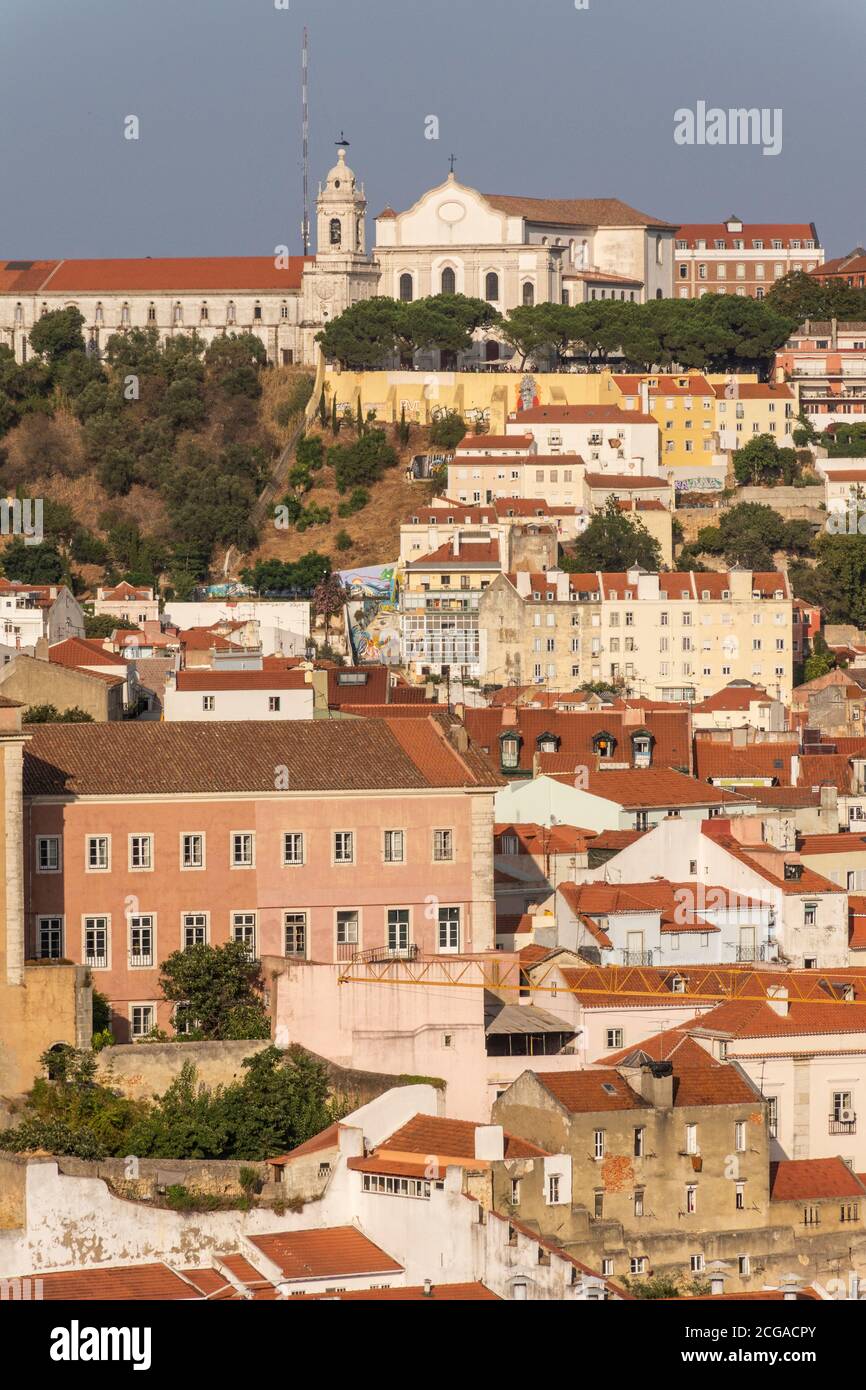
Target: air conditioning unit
[[846, 1116]]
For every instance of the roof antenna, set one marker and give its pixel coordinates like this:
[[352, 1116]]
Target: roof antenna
[[305, 132]]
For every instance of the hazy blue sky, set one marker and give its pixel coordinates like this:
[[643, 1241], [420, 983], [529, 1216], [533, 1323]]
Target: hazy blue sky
[[534, 97]]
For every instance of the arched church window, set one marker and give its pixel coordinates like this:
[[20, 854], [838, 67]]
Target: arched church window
[[151, 312], [491, 287], [19, 313], [124, 314], [204, 313], [407, 290], [284, 310], [359, 233], [178, 312], [336, 231], [449, 281], [658, 294], [257, 310], [230, 311], [98, 314], [528, 293]]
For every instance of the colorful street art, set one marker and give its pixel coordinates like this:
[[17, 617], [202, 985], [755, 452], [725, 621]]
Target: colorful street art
[[373, 619], [527, 393]]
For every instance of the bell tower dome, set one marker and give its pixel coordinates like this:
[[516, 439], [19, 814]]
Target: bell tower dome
[[341, 208]]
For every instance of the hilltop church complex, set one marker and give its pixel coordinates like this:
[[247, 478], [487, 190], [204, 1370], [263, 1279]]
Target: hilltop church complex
[[507, 250]]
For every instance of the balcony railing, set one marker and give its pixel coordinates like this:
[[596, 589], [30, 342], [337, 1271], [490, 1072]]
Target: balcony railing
[[377, 954], [842, 1126], [97, 960], [140, 959], [637, 957], [750, 953]]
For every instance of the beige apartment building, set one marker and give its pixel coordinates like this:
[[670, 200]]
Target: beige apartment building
[[742, 258], [668, 636]]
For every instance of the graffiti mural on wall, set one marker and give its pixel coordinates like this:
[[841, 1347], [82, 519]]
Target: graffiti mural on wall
[[527, 393], [374, 624]]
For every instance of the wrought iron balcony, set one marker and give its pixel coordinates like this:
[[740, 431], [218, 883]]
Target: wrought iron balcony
[[836, 1126], [637, 957]]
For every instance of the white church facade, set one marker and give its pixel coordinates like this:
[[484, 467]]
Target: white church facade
[[506, 250]]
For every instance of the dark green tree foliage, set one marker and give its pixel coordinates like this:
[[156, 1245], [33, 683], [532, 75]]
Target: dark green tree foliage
[[282, 1100], [50, 714], [278, 576], [217, 991], [447, 431], [799, 296], [838, 580], [363, 461], [612, 541], [57, 335], [33, 564], [761, 463], [371, 332]]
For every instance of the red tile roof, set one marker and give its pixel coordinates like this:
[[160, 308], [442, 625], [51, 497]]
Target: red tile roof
[[585, 1092], [795, 1179], [416, 1293], [651, 787], [146, 758], [710, 232], [573, 212], [197, 679], [582, 415], [717, 760], [447, 1140], [575, 730], [627, 480], [326, 1139], [335, 1251], [668, 385], [113, 1283], [512, 442], [465, 554], [83, 651], [699, 1079], [181, 274]]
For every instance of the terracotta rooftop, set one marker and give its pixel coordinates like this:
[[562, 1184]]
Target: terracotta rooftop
[[585, 1092], [448, 1140], [416, 1293], [638, 787], [795, 1179], [573, 212], [717, 760], [574, 731], [582, 415], [197, 679], [186, 274], [135, 1283], [146, 758], [331, 1252]]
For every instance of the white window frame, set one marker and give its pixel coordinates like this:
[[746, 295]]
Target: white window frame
[[193, 834], [235, 923], [89, 958], [143, 1032], [447, 834], [445, 926], [342, 863], [147, 837], [299, 862], [233, 861], [142, 922], [302, 913], [51, 922], [185, 925], [388, 845], [57, 841], [356, 912], [97, 868]]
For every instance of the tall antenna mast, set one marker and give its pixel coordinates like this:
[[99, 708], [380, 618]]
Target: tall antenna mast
[[305, 226]]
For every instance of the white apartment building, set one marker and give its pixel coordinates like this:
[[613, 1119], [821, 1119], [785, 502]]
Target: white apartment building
[[241, 694], [31, 611]]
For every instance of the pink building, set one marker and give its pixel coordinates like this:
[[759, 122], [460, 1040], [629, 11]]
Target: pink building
[[316, 840]]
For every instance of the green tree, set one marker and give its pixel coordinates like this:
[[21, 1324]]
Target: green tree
[[217, 990], [33, 564], [447, 431], [58, 333], [613, 541], [49, 714]]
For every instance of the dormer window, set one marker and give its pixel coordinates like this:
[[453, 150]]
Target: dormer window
[[509, 750], [547, 743], [603, 745], [642, 747]]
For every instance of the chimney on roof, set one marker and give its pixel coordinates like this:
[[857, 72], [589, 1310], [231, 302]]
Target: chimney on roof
[[509, 717], [490, 1143], [459, 738], [790, 1285], [455, 544], [777, 999], [654, 1082], [428, 1288], [643, 391], [40, 650]]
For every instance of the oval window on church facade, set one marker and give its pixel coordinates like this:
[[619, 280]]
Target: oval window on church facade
[[406, 288], [336, 231], [449, 281]]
